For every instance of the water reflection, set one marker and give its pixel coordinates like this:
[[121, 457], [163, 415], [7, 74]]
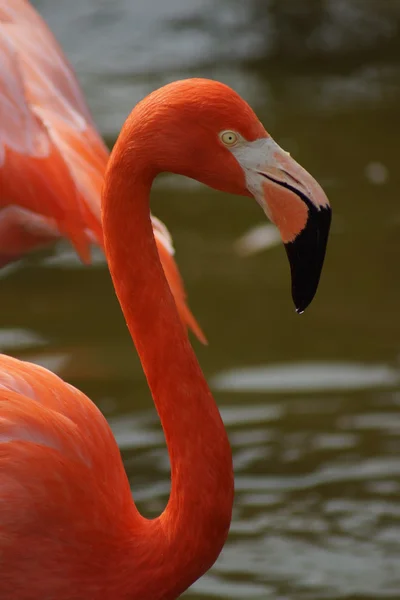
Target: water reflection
[[306, 377], [316, 449]]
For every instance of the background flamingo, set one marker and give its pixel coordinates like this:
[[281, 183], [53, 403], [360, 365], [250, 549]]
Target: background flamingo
[[52, 159], [69, 528]]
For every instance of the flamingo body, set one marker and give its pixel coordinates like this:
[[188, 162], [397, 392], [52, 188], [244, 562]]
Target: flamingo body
[[68, 526]]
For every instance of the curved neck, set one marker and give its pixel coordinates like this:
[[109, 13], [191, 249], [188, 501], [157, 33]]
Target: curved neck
[[183, 543]]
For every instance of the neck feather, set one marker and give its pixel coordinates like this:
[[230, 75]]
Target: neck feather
[[183, 543]]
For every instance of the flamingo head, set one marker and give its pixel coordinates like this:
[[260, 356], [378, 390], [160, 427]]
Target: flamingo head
[[204, 130]]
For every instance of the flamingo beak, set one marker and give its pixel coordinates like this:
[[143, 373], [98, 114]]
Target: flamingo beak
[[297, 205]]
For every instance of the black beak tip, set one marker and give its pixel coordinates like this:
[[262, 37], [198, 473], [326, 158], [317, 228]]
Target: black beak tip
[[301, 301], [306, 254]]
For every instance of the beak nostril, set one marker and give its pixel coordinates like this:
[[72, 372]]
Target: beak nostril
[[296, 181]]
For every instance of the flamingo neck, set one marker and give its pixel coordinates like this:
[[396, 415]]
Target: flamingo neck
[[185, 540]]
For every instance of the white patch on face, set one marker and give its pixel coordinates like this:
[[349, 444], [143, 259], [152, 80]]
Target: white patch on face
[[255, 155], [253, 158]]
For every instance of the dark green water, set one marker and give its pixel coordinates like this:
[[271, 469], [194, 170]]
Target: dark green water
[[311, 403]]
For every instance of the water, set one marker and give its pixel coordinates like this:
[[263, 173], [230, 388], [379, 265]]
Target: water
[[311, 403]]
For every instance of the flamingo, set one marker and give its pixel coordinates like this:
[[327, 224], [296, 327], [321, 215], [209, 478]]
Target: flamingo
[[52, 159], [69, 528]]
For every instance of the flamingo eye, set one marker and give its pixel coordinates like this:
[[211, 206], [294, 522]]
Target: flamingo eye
[[229, 138]]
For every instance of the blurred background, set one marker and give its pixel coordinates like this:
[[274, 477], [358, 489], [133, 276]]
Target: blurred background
[[311, 403]]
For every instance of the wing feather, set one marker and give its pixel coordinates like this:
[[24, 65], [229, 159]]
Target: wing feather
[[57, 453]]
